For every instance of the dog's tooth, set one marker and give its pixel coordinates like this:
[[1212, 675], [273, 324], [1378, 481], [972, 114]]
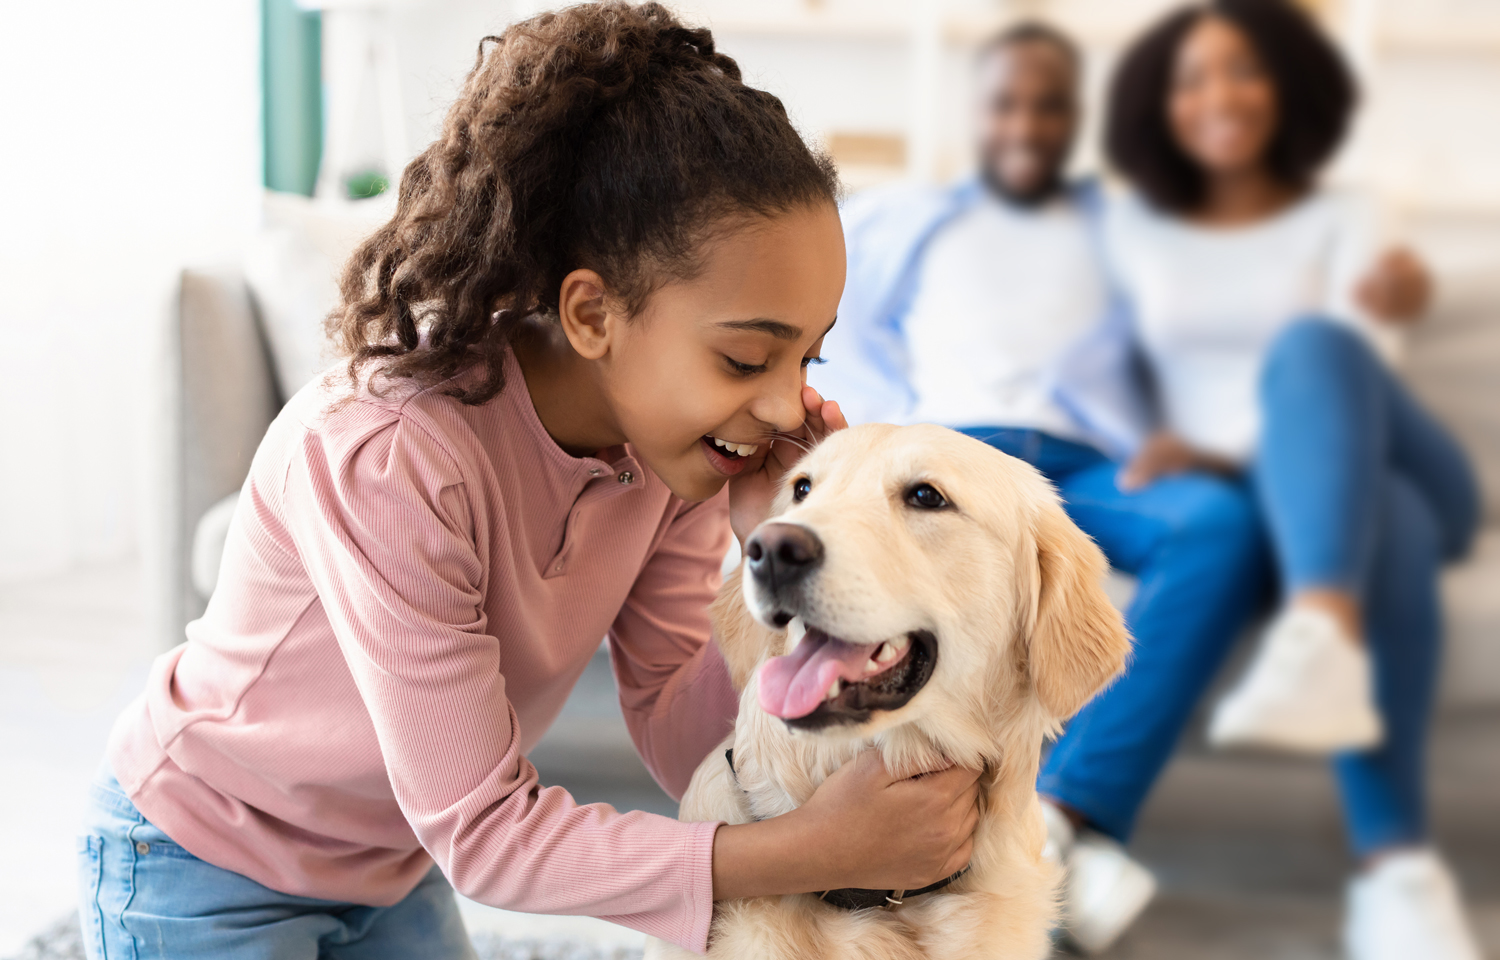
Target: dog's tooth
[[899, 644], [795, 631], [885, 654], [871, 666], [833, 688]]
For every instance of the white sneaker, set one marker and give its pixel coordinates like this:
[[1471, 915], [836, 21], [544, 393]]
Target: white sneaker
[[1408, 907], [1309, 690], [1104, 891]]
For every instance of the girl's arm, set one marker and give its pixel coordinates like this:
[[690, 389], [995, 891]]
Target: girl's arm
[[386, 531]]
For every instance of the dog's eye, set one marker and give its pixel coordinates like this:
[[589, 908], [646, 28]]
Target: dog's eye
[[926, 496], [801, 487]]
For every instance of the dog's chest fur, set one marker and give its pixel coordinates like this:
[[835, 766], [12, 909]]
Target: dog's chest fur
[[1004, 899]]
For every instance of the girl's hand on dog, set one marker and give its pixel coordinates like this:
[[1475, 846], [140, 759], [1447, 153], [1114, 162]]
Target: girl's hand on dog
[[863, 827], [897, 833], [751, 492]]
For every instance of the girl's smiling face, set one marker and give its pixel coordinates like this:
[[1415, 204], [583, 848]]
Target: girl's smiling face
[[721, 355]]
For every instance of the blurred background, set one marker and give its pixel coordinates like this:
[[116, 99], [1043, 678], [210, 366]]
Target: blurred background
[[183, 179]]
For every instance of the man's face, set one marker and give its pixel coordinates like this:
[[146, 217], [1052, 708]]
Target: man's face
[[1028, 117]]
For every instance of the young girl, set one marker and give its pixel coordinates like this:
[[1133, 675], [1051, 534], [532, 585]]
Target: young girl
[[592, 311]]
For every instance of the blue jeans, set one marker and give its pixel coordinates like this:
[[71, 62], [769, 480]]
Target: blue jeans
[[143, 896], [1195, 544], [1354, 487], [1363, 491]]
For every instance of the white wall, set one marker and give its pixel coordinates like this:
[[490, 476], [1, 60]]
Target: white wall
[[131, 146]]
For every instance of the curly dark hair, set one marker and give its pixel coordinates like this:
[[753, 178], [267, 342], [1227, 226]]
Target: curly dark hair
[[607, 136], [1315, 88]]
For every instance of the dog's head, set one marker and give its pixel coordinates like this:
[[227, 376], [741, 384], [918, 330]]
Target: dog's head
[[915, 575]]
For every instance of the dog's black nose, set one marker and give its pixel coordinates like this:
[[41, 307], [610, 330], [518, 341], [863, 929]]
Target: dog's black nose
[[780, 554]]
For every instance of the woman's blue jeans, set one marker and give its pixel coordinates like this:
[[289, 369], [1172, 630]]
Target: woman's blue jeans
[[1354, 487], [1363, 491]]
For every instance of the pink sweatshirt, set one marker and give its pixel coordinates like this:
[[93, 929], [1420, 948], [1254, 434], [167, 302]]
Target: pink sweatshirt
[[410, 589]]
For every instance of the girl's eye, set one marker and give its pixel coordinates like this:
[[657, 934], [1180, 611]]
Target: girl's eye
[[926, 496], [745, 369], [811, 360], [801, 487]]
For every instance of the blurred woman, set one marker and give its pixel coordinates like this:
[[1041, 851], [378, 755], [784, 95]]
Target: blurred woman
[[1260, 300]]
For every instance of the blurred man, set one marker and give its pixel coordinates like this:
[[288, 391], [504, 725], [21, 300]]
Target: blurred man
[[984, 307]]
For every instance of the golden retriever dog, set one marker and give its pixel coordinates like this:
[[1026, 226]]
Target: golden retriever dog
[[918, 592]]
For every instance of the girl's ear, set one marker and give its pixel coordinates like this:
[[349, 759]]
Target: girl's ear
[[742, 640], [1078, 642], [582, 311]]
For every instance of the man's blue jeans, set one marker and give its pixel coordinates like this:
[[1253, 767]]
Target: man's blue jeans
[[1196, 546], [1354, 487]]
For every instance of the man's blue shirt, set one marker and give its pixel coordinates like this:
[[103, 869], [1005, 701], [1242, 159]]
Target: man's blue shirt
[[887, 231]]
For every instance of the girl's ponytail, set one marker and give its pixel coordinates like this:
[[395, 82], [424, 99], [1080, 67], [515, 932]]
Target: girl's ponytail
[[608, 136]]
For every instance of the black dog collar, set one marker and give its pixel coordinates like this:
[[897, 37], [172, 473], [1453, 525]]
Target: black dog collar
[[858, 898]]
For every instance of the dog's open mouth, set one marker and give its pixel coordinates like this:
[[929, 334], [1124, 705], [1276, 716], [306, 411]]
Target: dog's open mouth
[[827, 680]]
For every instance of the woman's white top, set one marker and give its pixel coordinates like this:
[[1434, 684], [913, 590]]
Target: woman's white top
[[1002, 292], [1209, 301]]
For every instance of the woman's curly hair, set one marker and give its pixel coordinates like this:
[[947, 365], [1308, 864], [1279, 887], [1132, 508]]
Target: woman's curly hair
[[1316, 93], [608, 136]]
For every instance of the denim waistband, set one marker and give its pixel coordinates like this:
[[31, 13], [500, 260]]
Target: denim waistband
[[105, 791]]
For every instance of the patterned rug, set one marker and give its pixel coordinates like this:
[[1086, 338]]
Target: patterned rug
[[62, 941]]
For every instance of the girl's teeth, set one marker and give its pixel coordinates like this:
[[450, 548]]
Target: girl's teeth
[[885, 654], [742, 449], [833, 688]]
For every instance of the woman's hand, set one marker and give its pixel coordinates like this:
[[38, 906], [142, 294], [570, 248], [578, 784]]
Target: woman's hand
[[753, 489], [1164, 454], [862, 828], [1397, 289]]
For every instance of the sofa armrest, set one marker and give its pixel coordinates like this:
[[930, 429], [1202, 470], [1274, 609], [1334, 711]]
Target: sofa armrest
[[216, 397]]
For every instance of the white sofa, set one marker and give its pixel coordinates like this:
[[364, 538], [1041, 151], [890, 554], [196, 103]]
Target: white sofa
[[242, 340]]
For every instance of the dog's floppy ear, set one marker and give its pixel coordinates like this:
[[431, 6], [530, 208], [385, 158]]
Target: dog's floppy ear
[[1078, 641], [742, 640]]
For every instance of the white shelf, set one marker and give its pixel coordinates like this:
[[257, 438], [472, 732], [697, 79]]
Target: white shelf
[[1409, 36], [961, 31], [1437, 39], [813, 26]]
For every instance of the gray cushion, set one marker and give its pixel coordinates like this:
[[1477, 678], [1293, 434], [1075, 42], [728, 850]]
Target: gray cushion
[[208, 544], [1453, 364], [292, 266]]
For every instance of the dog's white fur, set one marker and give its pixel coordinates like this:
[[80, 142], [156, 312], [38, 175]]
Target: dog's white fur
[[1025, 635]]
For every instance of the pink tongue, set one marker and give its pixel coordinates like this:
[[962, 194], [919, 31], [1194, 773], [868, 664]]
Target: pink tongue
[[793, 686]]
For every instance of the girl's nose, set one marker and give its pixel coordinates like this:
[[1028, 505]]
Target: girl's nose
[[780, 409]]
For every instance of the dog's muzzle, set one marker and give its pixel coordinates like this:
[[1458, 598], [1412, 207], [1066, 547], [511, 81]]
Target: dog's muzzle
[[780, 558]]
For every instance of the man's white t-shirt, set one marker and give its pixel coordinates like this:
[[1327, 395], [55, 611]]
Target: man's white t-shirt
[[1208, 302], [1002, 293]]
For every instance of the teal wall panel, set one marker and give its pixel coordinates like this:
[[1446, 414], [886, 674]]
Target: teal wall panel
[[292, 95]]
